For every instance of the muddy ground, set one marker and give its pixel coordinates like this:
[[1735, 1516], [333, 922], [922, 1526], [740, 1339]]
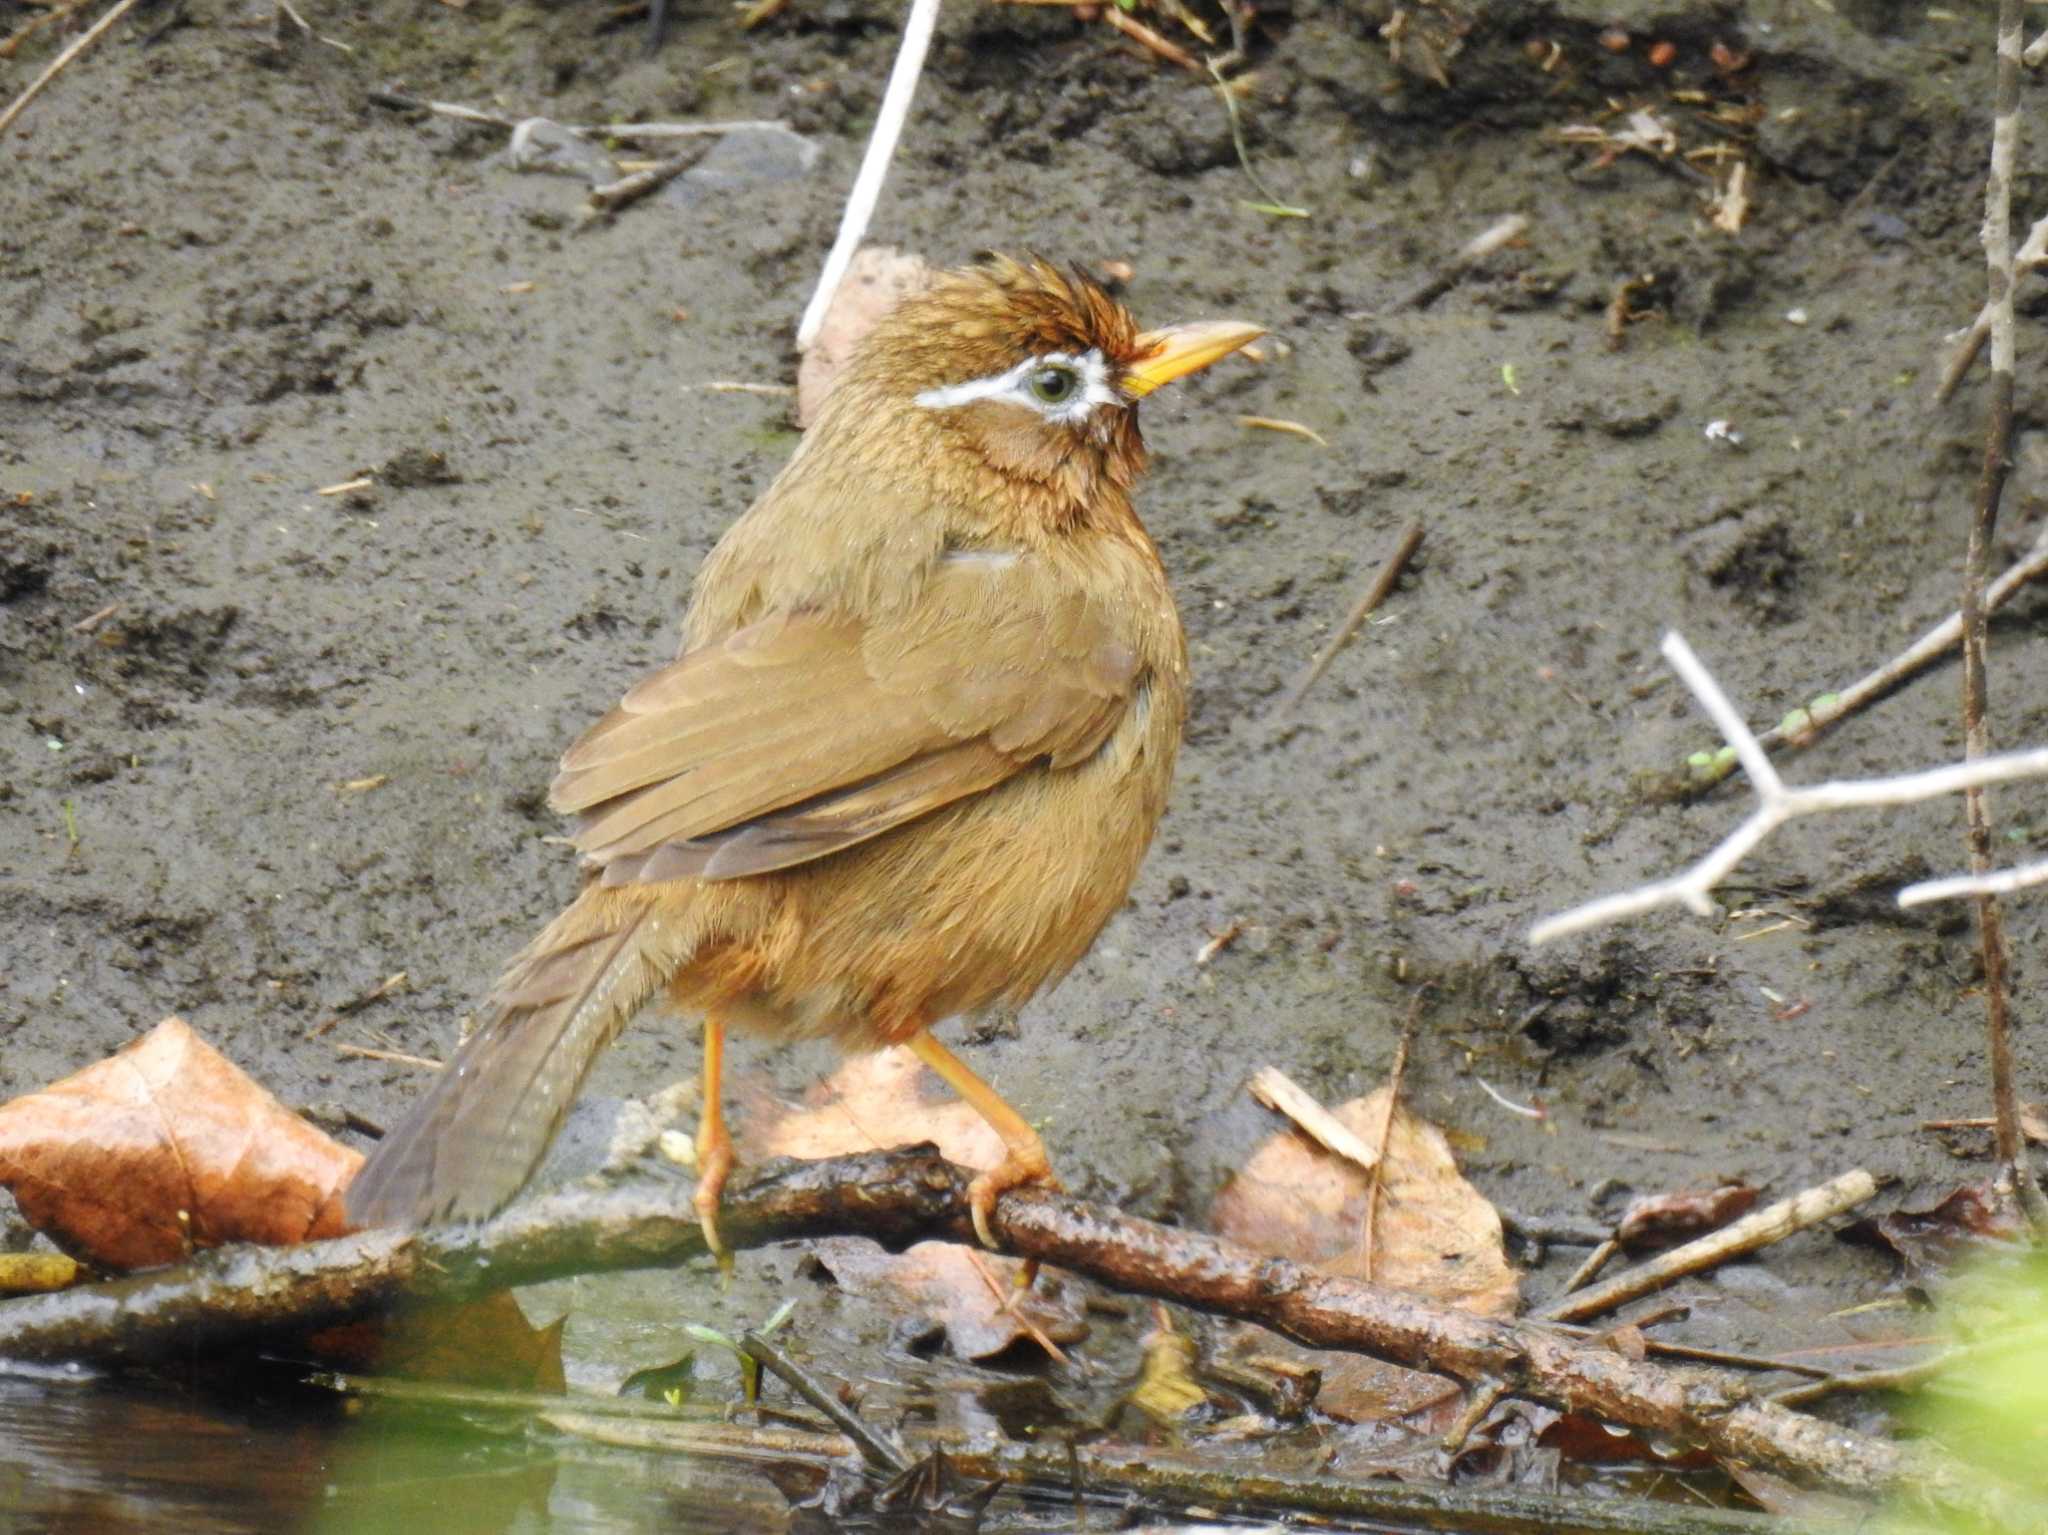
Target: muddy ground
[[228, 280]]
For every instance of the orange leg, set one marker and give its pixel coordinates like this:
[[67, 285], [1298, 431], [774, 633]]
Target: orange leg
[[714, 1145], [1024, 1160]]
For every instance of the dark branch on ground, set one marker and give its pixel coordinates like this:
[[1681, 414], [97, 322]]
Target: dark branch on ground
[[241, 1297]]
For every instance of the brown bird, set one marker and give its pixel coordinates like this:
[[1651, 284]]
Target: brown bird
[[908, 760]]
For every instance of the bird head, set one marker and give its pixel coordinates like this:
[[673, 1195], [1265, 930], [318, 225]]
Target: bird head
[[1020, 382]]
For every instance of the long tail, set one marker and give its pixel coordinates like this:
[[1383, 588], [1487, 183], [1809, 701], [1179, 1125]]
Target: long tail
[[483, 1127]]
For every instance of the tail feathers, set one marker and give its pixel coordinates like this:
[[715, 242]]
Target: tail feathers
[[469, 1146]]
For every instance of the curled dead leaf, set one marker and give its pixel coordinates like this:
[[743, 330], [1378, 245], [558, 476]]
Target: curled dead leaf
[[1659, 1220], [164, 1147]]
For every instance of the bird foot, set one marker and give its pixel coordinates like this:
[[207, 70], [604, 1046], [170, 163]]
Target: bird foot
[[1020, 1166], [714, 1165]]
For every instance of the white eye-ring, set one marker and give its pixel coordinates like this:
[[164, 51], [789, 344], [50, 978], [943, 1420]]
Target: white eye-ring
[[1061, 387]]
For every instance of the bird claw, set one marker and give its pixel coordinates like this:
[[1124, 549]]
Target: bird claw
[[1016, 1170], [714, 1165]]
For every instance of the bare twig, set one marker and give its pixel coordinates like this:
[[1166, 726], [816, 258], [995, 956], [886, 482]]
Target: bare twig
[[1594, 1262], [1282, 1094], [1485, 1397], [614, 195], [878, 1452], [401, 102], [1760, 1228], [2010, 1142], [874, 165], [62, 61], [1807, 725], [1776, 804], [1378, 1173], [905, 1196], [1999, 882], [1286, 427], [1154, 1475], [1476, 250], [395, 1057], [35, 24], [2030, 255], [1145, 37], [1381, 589]]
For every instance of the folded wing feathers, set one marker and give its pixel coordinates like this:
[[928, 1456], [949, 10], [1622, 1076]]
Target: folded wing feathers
[[799, 736]]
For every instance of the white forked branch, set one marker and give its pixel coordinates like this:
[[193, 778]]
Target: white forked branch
[[1777, 804]]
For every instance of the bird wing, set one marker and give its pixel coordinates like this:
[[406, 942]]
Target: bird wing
[[808, 732]]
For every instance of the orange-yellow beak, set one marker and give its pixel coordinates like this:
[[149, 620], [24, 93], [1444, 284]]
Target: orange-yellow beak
[[1178, 350]]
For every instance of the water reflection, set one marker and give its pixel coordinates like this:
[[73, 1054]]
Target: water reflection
[[266, 1455]]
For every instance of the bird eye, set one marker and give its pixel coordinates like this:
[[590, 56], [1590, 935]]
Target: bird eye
[[1053, 385]]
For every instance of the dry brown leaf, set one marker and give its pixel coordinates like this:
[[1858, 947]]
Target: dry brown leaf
[[877, 278], [1967, 1223], [1434, 1234], [876, 1101], [164, 1147], [1662, 1220], [870, 1103]]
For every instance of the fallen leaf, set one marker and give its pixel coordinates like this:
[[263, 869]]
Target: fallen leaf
[[1167, 1389], [939, 1281], [1970, 1221], [877, 278], [1433, 1234], [164, 1147], [1659, 1220], [876, 1101]]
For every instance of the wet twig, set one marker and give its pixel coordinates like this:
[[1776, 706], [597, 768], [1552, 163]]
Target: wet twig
[[2032, 254], [1759, 1228], [2010, 1141], [1590, 1267], [1376, 1175], [241, 1296], [1563, 1233], [61, 62], [1381, 589], [611, 196], [1476, 250], [1181, 1479], [878, 1452]]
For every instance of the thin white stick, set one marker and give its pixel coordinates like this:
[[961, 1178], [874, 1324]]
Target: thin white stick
[[2000, 882], [85, 40], [2037, 50], [1776, 805], [874, 166]]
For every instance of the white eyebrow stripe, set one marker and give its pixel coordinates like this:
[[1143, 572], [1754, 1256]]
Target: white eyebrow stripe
[[1009, 386]]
